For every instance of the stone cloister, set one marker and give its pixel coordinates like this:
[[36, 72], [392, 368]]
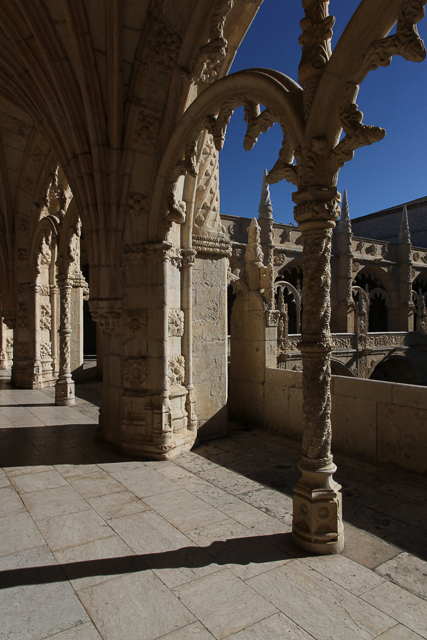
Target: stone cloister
[[112, 118]]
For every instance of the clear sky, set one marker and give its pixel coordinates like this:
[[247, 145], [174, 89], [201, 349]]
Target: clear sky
[[381, 175]]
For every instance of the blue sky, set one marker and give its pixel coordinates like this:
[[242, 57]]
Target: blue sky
[[382, 175]]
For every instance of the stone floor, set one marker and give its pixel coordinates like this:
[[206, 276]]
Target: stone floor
[[94, 545]]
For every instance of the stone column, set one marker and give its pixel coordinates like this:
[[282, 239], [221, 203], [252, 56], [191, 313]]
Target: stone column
[[64, 388], [189, 256], [317, 510]]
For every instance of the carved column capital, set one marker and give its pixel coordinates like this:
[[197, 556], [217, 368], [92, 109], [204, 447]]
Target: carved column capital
[[107, 313], [316, 207]]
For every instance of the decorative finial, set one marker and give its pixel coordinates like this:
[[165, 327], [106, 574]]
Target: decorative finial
[[344, 224], [405, 234], [265, 208]]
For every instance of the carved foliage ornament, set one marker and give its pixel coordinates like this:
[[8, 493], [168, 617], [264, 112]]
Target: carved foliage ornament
[[176, 370], [211, 55], [176, 323]]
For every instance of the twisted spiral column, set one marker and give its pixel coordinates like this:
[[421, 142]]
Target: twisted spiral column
[[317, 509]]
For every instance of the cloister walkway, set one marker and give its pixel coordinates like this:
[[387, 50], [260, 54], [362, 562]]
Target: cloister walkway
[[95, 545]]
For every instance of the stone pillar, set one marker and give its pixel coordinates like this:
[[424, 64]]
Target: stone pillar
[[64, 388], [406, 304], [342, 238], [317, 510], [187, 306]]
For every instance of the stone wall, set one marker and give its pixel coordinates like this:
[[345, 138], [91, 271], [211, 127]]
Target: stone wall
[[381, 421], [210, 344]]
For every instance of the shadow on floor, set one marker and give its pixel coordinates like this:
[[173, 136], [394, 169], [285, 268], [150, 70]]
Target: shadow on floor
[[384, 501], [237, 551]]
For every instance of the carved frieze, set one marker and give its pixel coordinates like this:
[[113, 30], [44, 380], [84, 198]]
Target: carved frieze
[[176, 323], [176, 370]]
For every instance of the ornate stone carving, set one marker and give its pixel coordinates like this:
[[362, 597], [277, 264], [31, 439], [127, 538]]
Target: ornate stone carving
[[207, 220], [208, 244], [280, 259], [317, 210], [406, 42], [137, 204], [176, 323], [22, 350], [135, 373], [107, 314], [146, 129], [211, 55], [371, 250], [316, 49], [166, 47], [45, 316], [45, 351], [357, 134], [135, 321], [44, 289], [176, 370], [23, 224], [22, 253], [22, 315]]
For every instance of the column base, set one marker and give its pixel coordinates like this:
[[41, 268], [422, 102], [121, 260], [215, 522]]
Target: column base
[[178, 444], [64, 393], [317, 524]]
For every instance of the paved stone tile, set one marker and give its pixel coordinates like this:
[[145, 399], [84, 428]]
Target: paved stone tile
[[271, 502], [218, 532], [231, 506], [94, 562], [345, 572], [194, 631], [10, 502], [223, 603], [182, 565], [74, 529], [193, 483], [137, 607], [115, 505], [404, 491], [33, 612], [4, 480], [194, 463], [85, 631], [18, 532], [277, 627], [184, 510], [95, 484], [408, 572], [147, 532], [143, 482], [399, 632], [38, 481], [401, 605], [32, 566], [366, 518], [368, 550], [230, 481], [28, 469], [294, 588], [54, 502], [71, 470]]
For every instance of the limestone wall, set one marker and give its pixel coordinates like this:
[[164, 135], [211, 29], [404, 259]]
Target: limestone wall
[[380, 421], [210, 345]]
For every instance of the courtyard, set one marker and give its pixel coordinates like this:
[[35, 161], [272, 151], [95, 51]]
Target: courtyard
[[95, 545]]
